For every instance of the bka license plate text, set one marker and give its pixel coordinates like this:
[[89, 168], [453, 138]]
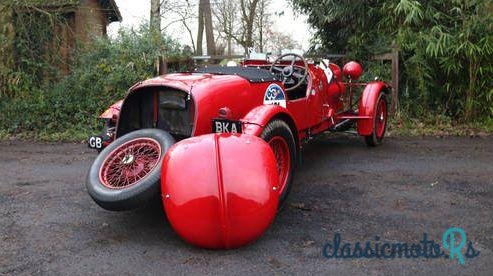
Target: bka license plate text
[[226, 126]]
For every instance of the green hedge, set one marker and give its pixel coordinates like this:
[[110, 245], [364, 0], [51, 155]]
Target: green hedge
[[100, 75], [446, 49]]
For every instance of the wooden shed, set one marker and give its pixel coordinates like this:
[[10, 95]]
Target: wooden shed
[[86, 18], [77, 21]]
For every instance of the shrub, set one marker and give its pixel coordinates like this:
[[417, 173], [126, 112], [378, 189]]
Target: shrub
[[100, 75], [446, 48]]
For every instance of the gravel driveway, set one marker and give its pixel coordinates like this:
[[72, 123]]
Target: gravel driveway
[[407, 187]]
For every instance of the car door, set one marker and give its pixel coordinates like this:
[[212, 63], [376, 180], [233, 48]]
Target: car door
[[316, 100]]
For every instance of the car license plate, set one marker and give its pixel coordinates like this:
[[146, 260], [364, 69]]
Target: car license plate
[[226, 126], [95, 142]]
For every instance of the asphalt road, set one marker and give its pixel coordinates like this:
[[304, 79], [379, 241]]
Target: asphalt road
[[407, 187]]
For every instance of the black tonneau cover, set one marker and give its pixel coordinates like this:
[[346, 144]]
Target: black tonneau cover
[[252, 74]]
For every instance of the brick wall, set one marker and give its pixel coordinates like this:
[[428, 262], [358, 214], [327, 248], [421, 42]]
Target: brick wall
[[90, 20]]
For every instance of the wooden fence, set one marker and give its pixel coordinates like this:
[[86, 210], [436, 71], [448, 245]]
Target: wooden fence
[[393, 57]]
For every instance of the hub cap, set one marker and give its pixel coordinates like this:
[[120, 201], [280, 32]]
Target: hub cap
[[128, 159]]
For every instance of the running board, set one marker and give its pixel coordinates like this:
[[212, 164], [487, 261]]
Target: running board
[[353, 117], [341, 125]]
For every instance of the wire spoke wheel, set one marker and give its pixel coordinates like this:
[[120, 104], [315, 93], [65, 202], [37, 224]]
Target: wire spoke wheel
[[129, 163], [379, 122], [381, 119], [279, 136], [125, 175]]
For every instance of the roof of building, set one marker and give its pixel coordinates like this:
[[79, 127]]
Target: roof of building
[[109, 6]]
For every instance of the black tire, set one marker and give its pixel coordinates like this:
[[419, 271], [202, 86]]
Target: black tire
[[141, 192], [280, 128], [373, 140]]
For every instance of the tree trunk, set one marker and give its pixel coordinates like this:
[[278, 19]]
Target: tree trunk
[[248, 14], [200, 32], [191, 36], [261, 26], [261, 36], [155, 20], [229, 46], [209, 32]]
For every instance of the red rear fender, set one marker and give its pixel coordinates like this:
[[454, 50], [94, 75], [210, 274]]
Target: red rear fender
[[367, 106]]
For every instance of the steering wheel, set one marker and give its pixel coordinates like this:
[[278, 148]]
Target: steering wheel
[[288, 71]]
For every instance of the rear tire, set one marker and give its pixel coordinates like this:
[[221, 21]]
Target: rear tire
[[278, 135], [125, 175], [379, 122]]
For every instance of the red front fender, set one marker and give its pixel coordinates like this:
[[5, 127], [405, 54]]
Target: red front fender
[[367, 106], [220, 190]]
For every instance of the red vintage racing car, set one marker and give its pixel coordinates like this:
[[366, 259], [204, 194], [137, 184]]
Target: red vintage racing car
[[220, 145]]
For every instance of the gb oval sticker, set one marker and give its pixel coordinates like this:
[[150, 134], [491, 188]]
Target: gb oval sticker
[[275, 95]]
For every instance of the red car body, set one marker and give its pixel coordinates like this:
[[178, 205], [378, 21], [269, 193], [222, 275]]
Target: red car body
[[319, 111], [222, 190]]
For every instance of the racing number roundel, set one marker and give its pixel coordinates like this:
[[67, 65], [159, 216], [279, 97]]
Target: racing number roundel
[[275, 95]]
